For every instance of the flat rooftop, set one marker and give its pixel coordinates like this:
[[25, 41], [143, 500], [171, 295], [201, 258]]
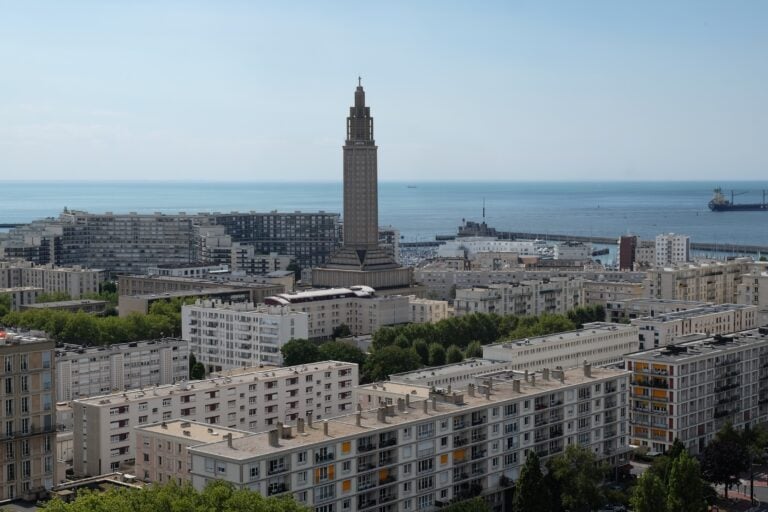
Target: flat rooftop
[[11, 337], [215, 381], [257, 445], [477, 365], [66, 303], [696, 312], [195, 431], [590, 328], [72, 349], [710, 345]]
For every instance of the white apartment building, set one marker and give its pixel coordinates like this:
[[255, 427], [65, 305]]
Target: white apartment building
[[628, 309], [690, 390], [21, 296], [198, 269], [671, 249], [419, 454], [711, 281], [74, 281], [247, 399], [83, 372], [465, 247], [573, 251], [664, 329], [357, 306], [247, 258], [456, 375], [162, 448], [599, 292], [525, 298], [223, 336], [754, 290], [427, 311], [598, 343]]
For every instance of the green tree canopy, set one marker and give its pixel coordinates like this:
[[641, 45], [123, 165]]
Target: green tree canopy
[[341, 351], [436, 355], [5, 304], [454, 355], [472, 505], [725, 457], [218, 496], [474, 349], [53, 297], [393, 359], [421, 348], [579, 476], [341, 331], [531, 492], [649, 495], [300, 351], [685, 491]]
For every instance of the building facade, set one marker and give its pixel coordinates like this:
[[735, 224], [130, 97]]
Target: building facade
[[711, 281], [223, 336], [420, 454], [672, 249], [250, 399], [691, 390], [525, 298], [29, 419], [74, 281], [83, 372]]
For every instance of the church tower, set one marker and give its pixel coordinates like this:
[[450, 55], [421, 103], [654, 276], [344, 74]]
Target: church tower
[[361, 261]]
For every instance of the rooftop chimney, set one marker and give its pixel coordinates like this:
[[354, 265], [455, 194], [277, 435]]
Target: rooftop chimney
[[526, 375], [426, 406], [280, 429], [325, 427], [587, 369], [401, 404], [471, 389], [228, 437], [533, 379], [434, 403], [300, 425], [358, 418], [309, 419], [488, 392], [381, 414], [545, 373], [516, 386], [407, 399], [274, 438]]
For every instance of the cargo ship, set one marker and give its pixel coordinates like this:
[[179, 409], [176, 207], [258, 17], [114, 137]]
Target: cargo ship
[[720, 204]]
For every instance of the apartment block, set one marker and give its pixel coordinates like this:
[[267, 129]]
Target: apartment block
[[84, 372], [524, 298], [248, 399], [162, 448], [665, 329], [628, 309], [427, 311], [691, 390], [418, 454], [223, 336], [21, 296], [29, 419], [74, 281], [598, 343], [754, 290], [672, 248], [245, 258], [199, 269], [711, 281], [599, 292], [358, 307], [156, 285]]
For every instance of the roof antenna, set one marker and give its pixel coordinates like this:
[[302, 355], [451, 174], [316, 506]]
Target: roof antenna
[[359, 81]]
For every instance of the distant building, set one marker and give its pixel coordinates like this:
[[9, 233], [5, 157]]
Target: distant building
[[645, 254], [601, 292], [672, 249], [223, 336], [84, 372], [573, 251], [29, 419], [84, 305], [73, 281], [249, 399], [245, 258], [753, 290], [357, 307], [711, 281], [627, 247], [628, 309], [427, 311], [21, 296], [689, 391], [193, 269], [664, 329], [598, 343], [526, 298]]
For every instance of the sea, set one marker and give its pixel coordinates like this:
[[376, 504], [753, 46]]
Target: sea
[[422, 210]]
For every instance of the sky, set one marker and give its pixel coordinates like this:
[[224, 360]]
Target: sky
[[497, 91]]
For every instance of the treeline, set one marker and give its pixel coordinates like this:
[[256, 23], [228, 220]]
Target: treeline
[[409, 347], [163, 319]]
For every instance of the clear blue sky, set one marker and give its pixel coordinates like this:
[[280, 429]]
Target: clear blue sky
[[229, 90]]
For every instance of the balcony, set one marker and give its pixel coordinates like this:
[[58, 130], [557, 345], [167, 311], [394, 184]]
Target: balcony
[[479, 421], [391, 441], [320, 458], [277, 489], [366, 448]]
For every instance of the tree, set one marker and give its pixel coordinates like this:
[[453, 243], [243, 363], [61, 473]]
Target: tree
[[218, 495], [454, 355], [685, 492], [436, 355], [421, 348], [341, 351], [474, 349], [300, 351], [384, 362], [81, 328], [530, 490], [296, 269], [649, 495], [341, 331], [471, 505], [724, 458], [5, 304], [196, 369], [579, 476], [402, 341]]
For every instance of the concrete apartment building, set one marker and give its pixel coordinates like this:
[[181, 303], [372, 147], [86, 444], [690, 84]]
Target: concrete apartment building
[[223, 336], [456, 375], [664, 329], [196, 269], [600, 292], [754, 290], [74, 281], [29, 416], [21, 296], [162, 448], [672, 248], [711, 281], [246, 259], [84, 305], [598, 343], [690, 390], [84, 372], [628, 309], [525, 298], [247, 399], [417, 454], [147, 285], [427, 311], [358, 307], [133, 242]]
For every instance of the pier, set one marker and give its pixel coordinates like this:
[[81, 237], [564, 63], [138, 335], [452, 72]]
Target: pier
[[512, 235]]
